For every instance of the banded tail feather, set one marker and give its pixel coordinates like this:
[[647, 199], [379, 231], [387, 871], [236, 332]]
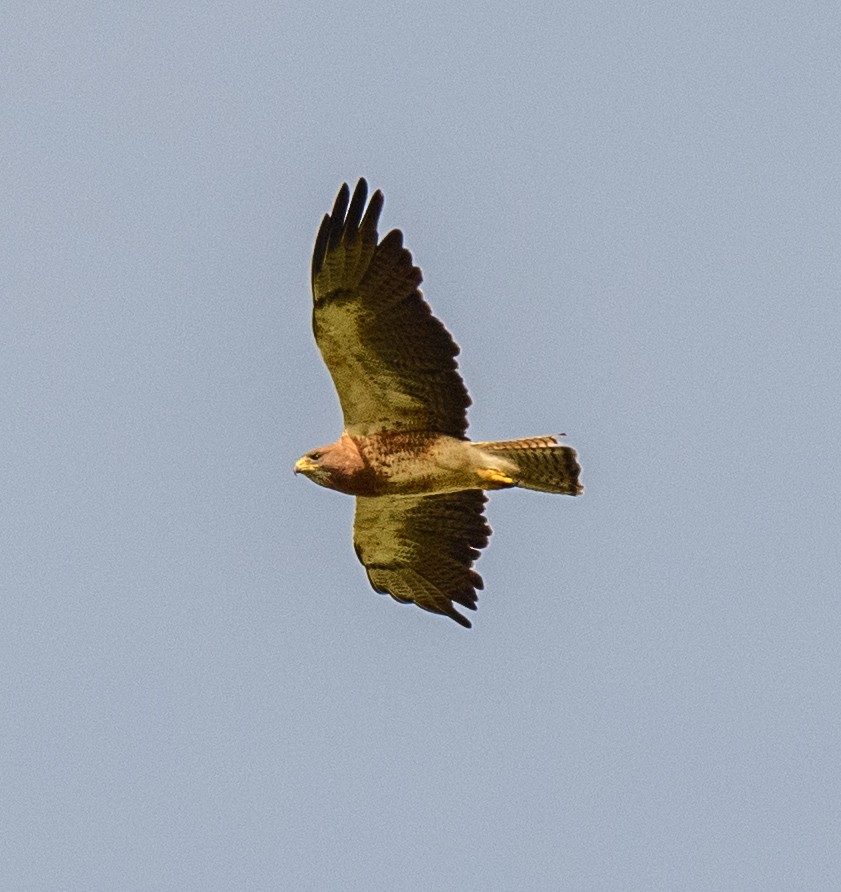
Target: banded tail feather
[[543, 463]]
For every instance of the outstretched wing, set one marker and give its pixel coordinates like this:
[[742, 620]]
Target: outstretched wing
[[393, 363], [421, 548]]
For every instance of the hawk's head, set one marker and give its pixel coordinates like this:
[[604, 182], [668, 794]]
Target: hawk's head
[[315, 465], [337, 466]]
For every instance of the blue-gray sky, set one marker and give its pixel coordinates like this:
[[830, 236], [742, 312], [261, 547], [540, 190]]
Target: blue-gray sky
[[629, 217]]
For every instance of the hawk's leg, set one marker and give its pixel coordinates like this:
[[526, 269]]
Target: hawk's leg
[[495, 479]]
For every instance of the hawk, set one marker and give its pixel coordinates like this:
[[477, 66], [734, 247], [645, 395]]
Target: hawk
[[418, 480]]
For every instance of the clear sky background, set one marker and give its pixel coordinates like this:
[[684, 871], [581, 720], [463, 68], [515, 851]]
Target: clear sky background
[[629, 216]]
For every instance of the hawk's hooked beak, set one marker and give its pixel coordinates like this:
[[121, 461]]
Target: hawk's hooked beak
[[303, 465]]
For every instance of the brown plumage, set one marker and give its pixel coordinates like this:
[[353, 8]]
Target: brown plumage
[[418, 480]]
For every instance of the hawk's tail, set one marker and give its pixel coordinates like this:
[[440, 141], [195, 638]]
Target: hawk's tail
[[542, 463]]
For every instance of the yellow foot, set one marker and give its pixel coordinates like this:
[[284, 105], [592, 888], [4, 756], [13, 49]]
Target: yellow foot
[[495, 478]]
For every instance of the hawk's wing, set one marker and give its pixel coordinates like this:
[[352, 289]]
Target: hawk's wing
[[421, 548], [393, 363]]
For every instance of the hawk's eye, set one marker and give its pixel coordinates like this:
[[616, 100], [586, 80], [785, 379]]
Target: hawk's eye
[[315, 456]]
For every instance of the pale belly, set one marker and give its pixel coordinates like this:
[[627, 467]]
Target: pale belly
[[429, 465]]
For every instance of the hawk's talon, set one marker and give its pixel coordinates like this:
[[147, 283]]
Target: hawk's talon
[[489, 475]]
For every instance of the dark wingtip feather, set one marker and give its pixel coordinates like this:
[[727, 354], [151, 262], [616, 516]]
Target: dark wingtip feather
[[357, 205], [337, 217], [346, 220], [372, 215], [392, 241], [319, 251], [461, 620]]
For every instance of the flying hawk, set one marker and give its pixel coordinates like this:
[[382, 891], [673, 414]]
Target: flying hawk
[[417, 479]]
